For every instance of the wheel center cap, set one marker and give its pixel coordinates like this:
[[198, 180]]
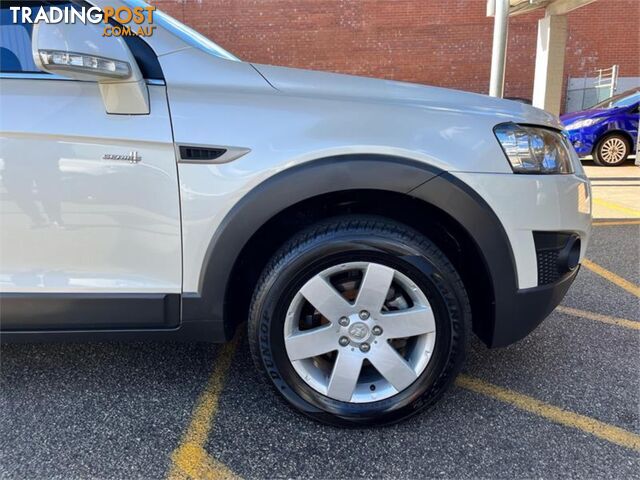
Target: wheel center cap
[[358, 331]]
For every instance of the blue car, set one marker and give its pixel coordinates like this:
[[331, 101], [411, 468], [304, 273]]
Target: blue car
[[608, 131]]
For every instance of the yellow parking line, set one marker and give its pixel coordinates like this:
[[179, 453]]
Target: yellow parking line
[[617, 207], [616, 223], [193, 461], [620, 322], [586, 424], [612, 277], [190, 459]]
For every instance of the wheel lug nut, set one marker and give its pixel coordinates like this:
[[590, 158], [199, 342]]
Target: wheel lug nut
[[364, 314], [344, 321], [344, 341], [376, 330], [365, 347]]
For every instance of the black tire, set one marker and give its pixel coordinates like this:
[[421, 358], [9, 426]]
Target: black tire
[[359, 238], [600, 153]]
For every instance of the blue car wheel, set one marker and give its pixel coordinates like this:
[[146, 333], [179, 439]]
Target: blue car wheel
[[612, 150]]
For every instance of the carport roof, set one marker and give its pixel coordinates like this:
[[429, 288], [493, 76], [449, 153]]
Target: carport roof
[[555, 7]]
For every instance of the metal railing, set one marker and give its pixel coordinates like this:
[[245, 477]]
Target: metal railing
[[606, 82], [594, 87]]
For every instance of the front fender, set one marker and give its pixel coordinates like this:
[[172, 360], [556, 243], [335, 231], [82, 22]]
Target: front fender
[[370, 172], [258, 206]]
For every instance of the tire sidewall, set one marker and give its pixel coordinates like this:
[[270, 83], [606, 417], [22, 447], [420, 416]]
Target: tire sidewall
[[413, 260]]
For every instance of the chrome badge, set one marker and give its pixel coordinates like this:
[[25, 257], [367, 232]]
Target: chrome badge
[[132, 157], [359, 331]]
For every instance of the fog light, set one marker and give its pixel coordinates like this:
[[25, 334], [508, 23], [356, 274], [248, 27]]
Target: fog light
[[557, 254], [569, 256]]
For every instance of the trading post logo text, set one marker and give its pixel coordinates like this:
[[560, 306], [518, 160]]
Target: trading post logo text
[[128, 21]]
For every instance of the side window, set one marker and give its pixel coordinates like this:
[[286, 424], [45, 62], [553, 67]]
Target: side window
[[15, 38], [15, 44], [625, 102]]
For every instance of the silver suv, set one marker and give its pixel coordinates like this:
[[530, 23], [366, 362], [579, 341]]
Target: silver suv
[[156, 187]]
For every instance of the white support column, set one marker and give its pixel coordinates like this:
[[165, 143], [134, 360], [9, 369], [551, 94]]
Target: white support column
[[549, 73], [499, 50]]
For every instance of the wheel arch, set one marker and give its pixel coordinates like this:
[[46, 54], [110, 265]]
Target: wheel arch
[[406, 190]]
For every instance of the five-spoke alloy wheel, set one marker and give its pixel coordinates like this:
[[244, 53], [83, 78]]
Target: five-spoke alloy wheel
[[359, 320]]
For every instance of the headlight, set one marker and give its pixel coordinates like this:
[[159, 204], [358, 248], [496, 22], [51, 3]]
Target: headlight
[[534, 149], [585, 122]]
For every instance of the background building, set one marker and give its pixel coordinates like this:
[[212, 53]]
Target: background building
[[437, 42]]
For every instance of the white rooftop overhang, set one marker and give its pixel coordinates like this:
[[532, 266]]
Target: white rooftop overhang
[[554, 7], [552, 35]]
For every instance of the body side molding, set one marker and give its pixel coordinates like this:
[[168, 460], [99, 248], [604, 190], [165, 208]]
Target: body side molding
[[31, 312]]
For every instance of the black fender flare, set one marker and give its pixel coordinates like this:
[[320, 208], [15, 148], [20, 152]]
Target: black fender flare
[[335, 174], [451, 195]]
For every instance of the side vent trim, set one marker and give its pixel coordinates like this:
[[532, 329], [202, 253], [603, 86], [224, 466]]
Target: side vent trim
[[200, 153], [209, 154]]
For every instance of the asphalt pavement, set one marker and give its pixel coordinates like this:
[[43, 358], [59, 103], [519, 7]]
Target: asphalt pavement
[[562, 403]]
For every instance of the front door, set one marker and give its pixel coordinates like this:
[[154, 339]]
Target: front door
[[89, 203]]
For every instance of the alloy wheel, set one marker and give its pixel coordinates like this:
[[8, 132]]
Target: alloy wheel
[[613, 150], [359, 332]]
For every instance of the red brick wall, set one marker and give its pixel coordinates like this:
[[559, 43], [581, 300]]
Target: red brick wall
[[437, 42]]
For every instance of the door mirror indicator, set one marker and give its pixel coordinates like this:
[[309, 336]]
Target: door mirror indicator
[[90, 64]]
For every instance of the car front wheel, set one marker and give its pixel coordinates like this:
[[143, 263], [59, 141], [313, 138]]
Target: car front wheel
[[612, 150], [359, 320]]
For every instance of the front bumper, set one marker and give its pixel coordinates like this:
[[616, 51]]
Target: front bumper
[[528, 308], [525, 206], [582, 141]]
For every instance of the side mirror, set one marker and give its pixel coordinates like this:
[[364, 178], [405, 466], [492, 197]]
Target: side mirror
[[81, 52]]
